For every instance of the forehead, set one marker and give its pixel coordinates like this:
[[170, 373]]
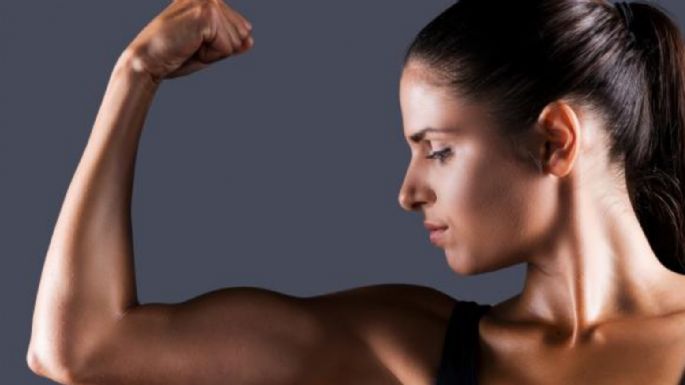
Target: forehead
[[427, 102]]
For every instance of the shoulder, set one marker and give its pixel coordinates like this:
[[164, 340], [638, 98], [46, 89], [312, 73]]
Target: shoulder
[[401, 326], [375, 300]]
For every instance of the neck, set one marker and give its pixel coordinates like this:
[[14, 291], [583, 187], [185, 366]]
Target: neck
[[598, 267]]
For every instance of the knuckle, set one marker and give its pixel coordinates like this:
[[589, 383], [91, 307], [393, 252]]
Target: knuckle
[[242, 31], [204, 13], [204, 8]]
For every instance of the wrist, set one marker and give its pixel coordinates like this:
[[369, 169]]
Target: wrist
[[129, 65]]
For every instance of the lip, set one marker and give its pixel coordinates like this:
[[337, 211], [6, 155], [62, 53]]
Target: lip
[[436, 232], [436, 236], [431, 226]]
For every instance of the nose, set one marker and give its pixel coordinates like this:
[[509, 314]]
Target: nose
[[414, 193]]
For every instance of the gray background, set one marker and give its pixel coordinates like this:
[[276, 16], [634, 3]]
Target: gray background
[[279, 168]]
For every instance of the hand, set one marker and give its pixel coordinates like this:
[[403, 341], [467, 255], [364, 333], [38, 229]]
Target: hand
[[188, 36]]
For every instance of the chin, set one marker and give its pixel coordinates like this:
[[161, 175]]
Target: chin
[[465, 263], [460, 262]]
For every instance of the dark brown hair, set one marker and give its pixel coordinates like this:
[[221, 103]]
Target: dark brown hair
[[626, 63]]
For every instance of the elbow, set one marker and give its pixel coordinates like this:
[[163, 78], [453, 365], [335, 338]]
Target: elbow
[[51, 367]]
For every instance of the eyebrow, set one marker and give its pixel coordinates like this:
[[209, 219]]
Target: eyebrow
[[417, 137]]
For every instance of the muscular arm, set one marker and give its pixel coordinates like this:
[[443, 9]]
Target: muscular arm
[[88, 327], [88, 278], [238, 335], [88, 281]]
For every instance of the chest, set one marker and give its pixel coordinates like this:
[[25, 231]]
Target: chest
[[650, 352]]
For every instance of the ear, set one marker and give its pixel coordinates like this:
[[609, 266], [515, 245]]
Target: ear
[[559, 126]]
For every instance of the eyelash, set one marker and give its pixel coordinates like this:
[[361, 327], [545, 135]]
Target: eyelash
[[441, 155]]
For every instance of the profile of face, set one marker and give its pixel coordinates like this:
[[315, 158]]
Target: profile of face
[[495, 204]]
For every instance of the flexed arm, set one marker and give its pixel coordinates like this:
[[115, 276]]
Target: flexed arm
[[88, 327], [88, 274], [88, 280]]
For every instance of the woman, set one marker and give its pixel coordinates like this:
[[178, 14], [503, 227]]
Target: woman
[[548, 132]]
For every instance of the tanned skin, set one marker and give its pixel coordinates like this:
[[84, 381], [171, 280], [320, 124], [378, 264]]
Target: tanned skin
[[597, 307]]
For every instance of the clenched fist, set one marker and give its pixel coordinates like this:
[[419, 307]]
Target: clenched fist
[[187, 36]]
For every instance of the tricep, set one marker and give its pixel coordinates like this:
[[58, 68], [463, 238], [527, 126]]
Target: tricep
[[247, 335], [230, 336]]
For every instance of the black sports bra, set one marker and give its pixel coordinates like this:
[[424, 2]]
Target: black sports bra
[[460, 353], [460, 356]]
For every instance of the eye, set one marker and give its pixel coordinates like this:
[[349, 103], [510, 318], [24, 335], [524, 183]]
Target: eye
[[441, 155]]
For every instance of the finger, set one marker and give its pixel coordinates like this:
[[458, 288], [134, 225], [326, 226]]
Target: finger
[[237, 15], [218, 46], [231, 31], [189, 66], [243, 20], [247, 44], [235, 21]]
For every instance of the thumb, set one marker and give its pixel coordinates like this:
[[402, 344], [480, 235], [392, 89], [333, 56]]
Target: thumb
[[189, 66]]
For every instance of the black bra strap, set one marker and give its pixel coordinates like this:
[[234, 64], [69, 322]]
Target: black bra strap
[[459, 361]]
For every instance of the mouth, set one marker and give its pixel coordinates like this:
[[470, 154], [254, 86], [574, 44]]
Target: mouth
[[437, 232], [436, 236]]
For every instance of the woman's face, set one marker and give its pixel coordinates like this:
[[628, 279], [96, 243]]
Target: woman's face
[[480, 190]]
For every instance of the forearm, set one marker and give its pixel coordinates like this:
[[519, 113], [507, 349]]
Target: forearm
[[88, 277]]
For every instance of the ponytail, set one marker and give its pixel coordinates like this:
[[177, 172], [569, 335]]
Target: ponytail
[[656, 176]]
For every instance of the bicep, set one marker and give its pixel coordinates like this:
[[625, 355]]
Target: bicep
[[229, 336]]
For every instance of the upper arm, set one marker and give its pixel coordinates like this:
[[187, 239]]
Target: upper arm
[[247, 335], [230, 336]]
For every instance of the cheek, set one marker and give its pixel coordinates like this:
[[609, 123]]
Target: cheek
[[491, 201]]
